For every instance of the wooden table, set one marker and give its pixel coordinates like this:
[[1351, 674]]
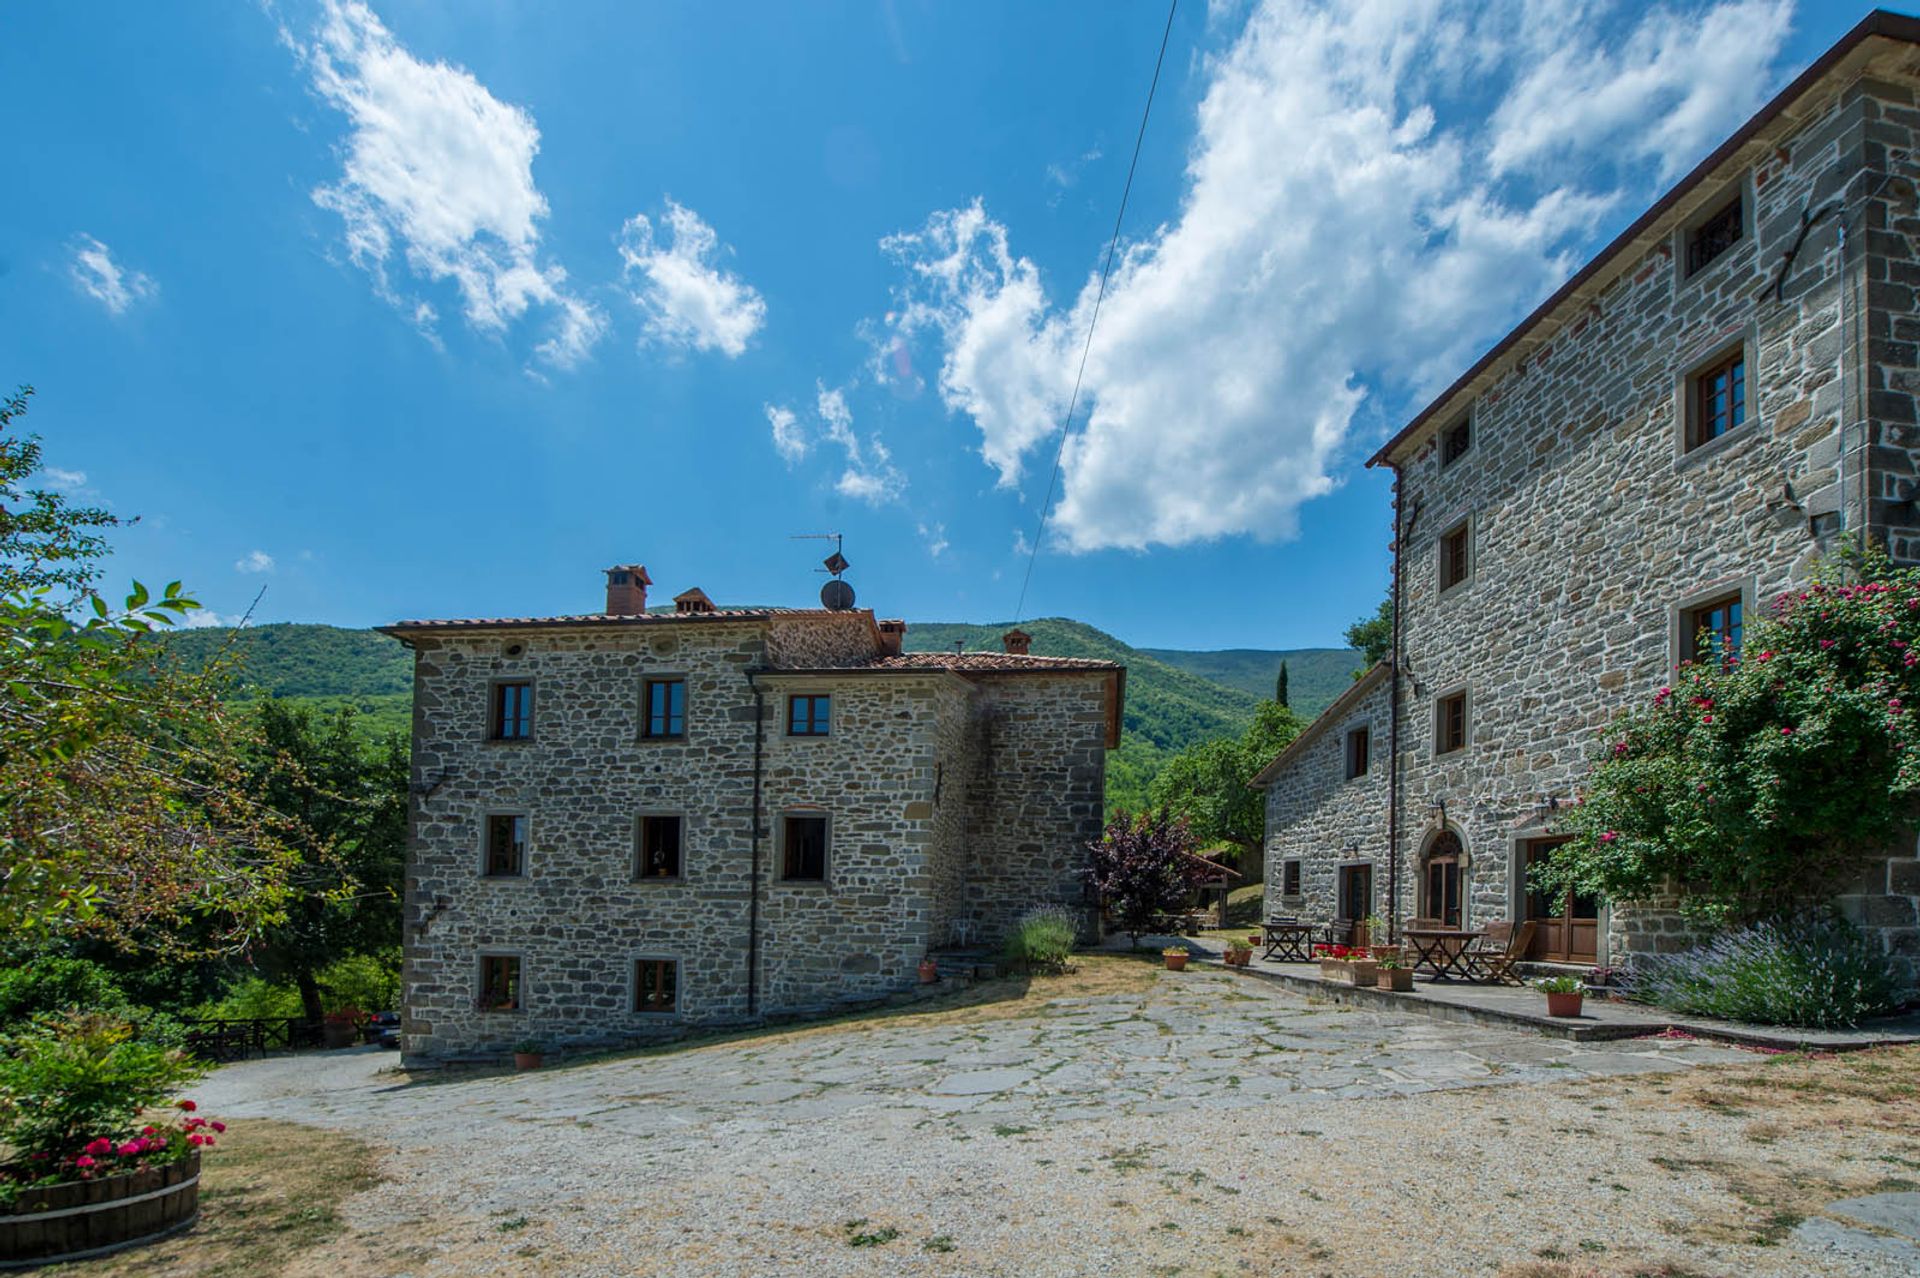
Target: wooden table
[[1445, 952], [1290, 941]]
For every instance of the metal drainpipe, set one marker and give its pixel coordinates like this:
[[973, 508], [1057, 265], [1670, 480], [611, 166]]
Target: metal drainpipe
[[1393, 729], [753, 888]]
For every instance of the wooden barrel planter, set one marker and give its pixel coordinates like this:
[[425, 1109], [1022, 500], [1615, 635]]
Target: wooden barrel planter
[[85, 1218]]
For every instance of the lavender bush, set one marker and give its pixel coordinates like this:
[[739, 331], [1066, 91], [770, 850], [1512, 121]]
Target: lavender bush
[[1043, 938], [1814, 973]]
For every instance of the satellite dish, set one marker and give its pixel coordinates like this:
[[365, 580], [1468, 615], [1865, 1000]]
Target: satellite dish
[[836, 595]]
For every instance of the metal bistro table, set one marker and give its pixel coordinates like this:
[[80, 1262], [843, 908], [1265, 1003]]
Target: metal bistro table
[[1444, 952], [1289, 940]]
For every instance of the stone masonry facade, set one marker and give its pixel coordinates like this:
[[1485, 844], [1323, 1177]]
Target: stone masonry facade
[[1596, 527], [957, 792]]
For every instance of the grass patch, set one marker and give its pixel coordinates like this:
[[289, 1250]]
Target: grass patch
[[860, 1234], [270, 1193]]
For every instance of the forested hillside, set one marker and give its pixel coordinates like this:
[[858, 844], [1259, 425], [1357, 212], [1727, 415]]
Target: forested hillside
[[1315, 676]]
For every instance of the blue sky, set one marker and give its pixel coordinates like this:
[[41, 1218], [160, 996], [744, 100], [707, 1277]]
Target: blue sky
[[436, 309]]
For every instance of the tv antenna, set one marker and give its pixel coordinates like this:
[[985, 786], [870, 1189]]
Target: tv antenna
[[836, 595]]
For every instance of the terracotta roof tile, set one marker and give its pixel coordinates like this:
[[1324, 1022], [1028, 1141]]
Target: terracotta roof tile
[[610, 619], [985, 662]]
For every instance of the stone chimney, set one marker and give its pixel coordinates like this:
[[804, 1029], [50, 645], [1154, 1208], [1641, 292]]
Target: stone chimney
[[1017, 641], [627, 590], [892, 635], [694, 600]]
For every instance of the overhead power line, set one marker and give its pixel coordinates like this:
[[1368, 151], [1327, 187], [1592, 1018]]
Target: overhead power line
[[1113, 243]]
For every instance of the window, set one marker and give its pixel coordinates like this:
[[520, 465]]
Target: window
[[1359, 746], [666, 709], [499, 983], [506, 846], [808, 716], [1720, 232], [805, 857], [1717, 399], [1450, 723], [1455, 562], [512, 716], [659, 851], [656, 985], [1455, 443], [1712, 631], [1290, 878]]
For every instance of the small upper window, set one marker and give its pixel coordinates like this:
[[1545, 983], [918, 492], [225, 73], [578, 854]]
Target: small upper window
[[659, 852], [666, 713], [1719, 232], [1455, 443], [1456, 562], [1712, 631], [1450, 723], [805, 858], [1717, 399], [656, 985], [808, 716], [1290, 878], [512, 713], [499, 983], [506, 846], [1359, 747]]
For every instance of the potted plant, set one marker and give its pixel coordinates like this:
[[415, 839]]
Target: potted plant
[[1239, 953], [1176, 957], [929, 971], [1346, 964], [342, 1027], [1563, 994], [529, 1053], [95, 1166], [1393, 975]]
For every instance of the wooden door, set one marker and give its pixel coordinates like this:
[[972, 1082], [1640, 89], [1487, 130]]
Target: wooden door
[[1566, 928], [1440, 881], [1356, 901]]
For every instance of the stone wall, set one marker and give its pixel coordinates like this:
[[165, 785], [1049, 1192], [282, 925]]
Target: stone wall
[[1322, 818], [1591, 529]]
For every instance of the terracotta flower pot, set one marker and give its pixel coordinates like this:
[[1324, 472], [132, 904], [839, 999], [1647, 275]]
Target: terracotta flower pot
[[1175, 962], [1253, 938], [1238, 958], [929, 971], [528, 1060], [1398, 979], [1563, 1004]]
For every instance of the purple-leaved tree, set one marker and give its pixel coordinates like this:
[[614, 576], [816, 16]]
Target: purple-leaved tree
[[1143, 866]]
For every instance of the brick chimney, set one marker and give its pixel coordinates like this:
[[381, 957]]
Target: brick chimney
[[1017, 641], [892, 634], [627, 590]]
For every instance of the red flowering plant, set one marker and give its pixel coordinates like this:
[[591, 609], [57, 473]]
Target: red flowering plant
[[75, 1092], [1759, 782], [1345, 953]]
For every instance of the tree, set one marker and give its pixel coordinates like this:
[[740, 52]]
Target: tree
[[1761, 782], [122, 810], [1143, 866], [1208, 785], [1280, 685], [348, 800], [1373, 636]]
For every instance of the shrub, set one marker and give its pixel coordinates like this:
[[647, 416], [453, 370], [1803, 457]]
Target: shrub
[[1142, 867], [50, 984], [74, 1078], [1043, 938], [1814, 973]]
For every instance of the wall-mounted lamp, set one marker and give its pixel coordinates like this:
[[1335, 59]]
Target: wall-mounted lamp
[[1437, 811]]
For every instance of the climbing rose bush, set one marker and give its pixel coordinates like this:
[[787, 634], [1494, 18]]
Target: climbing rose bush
[[1762, 783]]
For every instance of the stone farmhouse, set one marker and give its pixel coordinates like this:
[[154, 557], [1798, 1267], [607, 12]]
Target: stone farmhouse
[[1723, 394], [628, 822]]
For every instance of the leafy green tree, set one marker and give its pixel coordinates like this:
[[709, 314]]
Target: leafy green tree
[[1280, 685], [45, 542], [1761, 783], [1373, 636], [1208, 785], [349, 802]]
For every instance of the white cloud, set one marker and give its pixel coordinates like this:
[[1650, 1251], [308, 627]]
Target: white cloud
[[870, 474], [254, 561], [64, 481], [205, 619], [690, 303], [788, 439], [1334, 240], [106, 281], [935, 535], [439, 172]]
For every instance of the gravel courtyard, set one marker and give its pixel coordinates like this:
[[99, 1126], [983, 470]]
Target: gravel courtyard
[[1119, 1121]]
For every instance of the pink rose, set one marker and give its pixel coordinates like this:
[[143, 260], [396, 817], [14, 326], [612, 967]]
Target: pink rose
[[83, 1161], [219, 1127], [100, 1146], [188, 1105], [127, 1150]]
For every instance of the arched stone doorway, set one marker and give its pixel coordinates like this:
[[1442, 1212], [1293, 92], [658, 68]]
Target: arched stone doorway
[[1443, 879]]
